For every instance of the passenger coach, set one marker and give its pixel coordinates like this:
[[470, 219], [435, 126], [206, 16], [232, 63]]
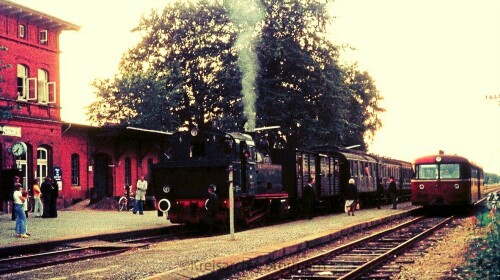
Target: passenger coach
[[446, 180]]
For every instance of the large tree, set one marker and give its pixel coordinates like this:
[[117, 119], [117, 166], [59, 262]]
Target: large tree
[[193, 67], [182, 73], [363, 106], [302, 87]]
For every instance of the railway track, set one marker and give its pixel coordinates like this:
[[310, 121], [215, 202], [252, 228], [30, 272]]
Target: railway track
[[361, 258], [40, 257]]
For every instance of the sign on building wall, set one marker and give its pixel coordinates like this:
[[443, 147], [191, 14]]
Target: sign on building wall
[[58, 176], [57, 173], [10, 131]]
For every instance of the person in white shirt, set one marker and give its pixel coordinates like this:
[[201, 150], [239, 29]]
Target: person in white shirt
[[140, 195], [20, 198]]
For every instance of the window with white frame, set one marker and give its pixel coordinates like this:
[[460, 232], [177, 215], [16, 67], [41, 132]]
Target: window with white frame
[[22, 31], [44, 37], [75, 169], [42, 163], [42, 86], [22, 82]]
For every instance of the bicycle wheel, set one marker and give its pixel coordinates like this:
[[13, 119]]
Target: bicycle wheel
[[122, 204]]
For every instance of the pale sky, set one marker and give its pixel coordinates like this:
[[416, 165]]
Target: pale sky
[[433, 61]]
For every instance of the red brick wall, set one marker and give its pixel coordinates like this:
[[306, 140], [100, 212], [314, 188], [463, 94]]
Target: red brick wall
[[75, 142]]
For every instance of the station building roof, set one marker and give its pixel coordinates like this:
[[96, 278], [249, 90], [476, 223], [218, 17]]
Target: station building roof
[[13, 9]]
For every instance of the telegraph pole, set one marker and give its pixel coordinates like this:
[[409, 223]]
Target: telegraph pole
[[493, 98]]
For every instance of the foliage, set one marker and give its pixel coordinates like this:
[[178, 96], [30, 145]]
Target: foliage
[[184, 63], [491, 178], [483, 257], [194, 67]]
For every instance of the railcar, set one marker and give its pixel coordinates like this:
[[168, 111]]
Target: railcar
[[267, 182], [367, 169], [446, 180]]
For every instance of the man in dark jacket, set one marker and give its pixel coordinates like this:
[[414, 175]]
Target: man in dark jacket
[[53, 198], [380, 192], [212, 208], [47, 191], [393, 192], [308, 198]]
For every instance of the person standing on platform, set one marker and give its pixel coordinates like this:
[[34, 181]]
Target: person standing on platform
[[38, 211], [393, 192], [351, 197], [53, 198], [46, 189], [380, 192], [308, 198], [140, 195], [15, 185], [20, 198], [212, 208]]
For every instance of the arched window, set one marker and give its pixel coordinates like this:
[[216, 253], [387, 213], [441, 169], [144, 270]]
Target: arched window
[[42, 163], [75, 170], [22, 82], [42, 86], [128, 171]]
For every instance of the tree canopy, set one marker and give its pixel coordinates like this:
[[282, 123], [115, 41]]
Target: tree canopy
[[207, 62]]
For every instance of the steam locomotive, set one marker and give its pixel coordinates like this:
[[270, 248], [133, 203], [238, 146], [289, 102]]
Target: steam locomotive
[[267, 182]]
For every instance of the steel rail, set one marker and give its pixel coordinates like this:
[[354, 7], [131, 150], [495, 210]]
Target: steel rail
[[344, 248], [44, 263], [38, 260], [370, 265]]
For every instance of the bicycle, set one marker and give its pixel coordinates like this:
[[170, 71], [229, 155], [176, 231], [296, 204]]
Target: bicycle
[[126, 203]]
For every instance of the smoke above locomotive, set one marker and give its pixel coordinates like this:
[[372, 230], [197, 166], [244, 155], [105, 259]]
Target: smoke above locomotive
[[247, 15]]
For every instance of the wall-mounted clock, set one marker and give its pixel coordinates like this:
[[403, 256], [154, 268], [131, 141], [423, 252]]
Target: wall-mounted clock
[[19, 149]]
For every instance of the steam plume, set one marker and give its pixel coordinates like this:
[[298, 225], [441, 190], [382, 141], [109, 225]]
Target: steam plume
[[247, 14]]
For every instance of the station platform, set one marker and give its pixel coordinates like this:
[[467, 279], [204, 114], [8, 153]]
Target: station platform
[[210, 255], [73, 224]]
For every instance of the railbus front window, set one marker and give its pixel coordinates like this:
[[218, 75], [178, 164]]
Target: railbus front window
[[427, 171], [450, 171]]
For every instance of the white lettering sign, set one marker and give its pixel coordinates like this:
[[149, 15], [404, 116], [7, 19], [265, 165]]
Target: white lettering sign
[[10, 131]]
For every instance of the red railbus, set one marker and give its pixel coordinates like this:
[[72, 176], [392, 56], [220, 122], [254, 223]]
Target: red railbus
[[446, 180]]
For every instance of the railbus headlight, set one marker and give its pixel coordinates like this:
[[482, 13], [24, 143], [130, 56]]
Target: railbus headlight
[[166, 189], [457, 186], [164, 205], [421, 186]]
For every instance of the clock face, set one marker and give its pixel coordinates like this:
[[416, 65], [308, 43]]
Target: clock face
[[18, 149]]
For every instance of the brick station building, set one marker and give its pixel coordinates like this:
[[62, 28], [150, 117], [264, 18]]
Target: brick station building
[[86, 161]]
